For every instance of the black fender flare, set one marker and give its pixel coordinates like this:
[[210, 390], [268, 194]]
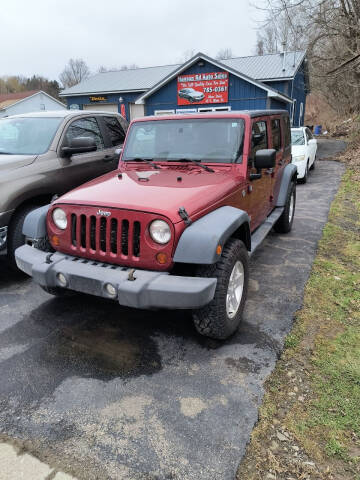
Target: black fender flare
[[198, 242], [35, 223], [289, 175]]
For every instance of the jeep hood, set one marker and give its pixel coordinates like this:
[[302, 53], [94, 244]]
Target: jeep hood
[[11, 162], [157, 191]]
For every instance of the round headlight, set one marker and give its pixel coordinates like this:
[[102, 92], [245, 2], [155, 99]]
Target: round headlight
[[59, 217], [160, 231]]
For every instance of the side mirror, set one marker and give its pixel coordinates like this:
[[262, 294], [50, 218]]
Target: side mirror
[[79, 145], [265, 159], [118, 151], [312, 141]]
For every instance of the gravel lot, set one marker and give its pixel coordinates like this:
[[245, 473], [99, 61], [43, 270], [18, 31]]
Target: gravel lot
[[103, 392]]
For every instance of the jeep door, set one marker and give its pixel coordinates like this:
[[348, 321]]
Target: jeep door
[[82, 167], [280, 140], [259, 189]]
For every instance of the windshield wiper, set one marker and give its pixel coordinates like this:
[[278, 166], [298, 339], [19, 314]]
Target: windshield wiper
[[196, 162], [147, 160]]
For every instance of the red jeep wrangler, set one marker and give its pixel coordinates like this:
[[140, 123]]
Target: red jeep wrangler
[[174, 226]]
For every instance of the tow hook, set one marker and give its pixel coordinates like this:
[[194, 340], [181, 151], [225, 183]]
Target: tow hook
[[185, 216], [131, 276], [48, 258]]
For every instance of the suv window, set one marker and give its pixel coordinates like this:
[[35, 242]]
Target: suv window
[[259, 137], [85, 127], [276, 133], [287, 131], [115, 130]]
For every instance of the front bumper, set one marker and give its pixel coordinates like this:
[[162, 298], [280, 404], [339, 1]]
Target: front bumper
[[138, 289]]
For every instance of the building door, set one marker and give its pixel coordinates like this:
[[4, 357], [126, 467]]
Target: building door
[[102, 107], [136, 111]]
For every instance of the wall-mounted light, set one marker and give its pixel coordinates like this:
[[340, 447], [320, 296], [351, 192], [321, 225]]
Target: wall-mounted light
[[121, 99], [201, 63]]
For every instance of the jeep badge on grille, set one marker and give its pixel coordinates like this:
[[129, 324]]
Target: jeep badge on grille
[[103, 213]]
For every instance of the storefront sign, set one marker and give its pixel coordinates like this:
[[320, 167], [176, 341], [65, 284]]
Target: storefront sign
[[98, 98], [203, 88]]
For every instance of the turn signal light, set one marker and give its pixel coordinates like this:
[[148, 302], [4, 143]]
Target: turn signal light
[[55, 240], [161, 258], [219, 249]]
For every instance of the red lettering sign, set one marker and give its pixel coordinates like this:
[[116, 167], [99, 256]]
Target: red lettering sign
[[203, 88]]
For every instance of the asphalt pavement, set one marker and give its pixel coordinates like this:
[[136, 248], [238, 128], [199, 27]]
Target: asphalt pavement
[[104, 392]]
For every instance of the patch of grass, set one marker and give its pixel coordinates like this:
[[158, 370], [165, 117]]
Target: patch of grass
[[321, 358]]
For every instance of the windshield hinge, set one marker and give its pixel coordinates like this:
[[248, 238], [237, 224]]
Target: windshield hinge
[[184, 215]]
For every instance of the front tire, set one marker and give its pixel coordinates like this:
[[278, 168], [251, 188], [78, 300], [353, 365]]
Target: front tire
[[221, 317], [284, 223], [306, 174], [15, 237]]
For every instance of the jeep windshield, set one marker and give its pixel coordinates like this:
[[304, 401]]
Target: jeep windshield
[[27, 135], [218, 140]]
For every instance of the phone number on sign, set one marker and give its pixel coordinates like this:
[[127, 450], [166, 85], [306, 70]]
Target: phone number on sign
[[215, 89]]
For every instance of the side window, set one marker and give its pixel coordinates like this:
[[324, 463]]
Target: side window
[[259, 137], [287, 131], [309, 135], [85, 127], [115, 130], [276, 134]]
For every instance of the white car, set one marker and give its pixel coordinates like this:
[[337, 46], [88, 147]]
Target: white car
[[303, 151]]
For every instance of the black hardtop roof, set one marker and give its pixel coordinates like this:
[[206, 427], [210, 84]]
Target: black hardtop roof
[[262, 113]]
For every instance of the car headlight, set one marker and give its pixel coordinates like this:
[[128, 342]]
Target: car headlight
[[59, 217], [299, 158], [160, 231]]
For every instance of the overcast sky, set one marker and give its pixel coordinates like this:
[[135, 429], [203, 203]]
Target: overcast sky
[[40, 36]]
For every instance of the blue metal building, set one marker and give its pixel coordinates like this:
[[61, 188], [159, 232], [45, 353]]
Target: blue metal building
[[258, 82]]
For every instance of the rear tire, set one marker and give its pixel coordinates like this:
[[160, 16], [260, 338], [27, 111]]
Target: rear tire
[[15, 237], [284, 223], [306, 174], [221, 317]]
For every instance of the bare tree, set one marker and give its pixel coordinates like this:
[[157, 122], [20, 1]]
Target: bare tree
[[74, 72], [187, 55], [224, 54], [330, 32], [131, 66]]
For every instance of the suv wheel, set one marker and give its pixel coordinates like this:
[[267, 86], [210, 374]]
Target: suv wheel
[[15, 237], [221, 317], [284, 223], [313, 165], [306, 174]]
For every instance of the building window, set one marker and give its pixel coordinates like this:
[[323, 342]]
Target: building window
[[181, 111], [301, 113], [164, 112]]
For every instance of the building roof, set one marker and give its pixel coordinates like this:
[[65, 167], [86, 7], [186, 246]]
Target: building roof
[[7, 99], [60, 113], [271, 92], [268, 67], [264, 67]]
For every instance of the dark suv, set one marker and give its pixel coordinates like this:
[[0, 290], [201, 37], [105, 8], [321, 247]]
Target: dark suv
[[174, 226], [48, 153]]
